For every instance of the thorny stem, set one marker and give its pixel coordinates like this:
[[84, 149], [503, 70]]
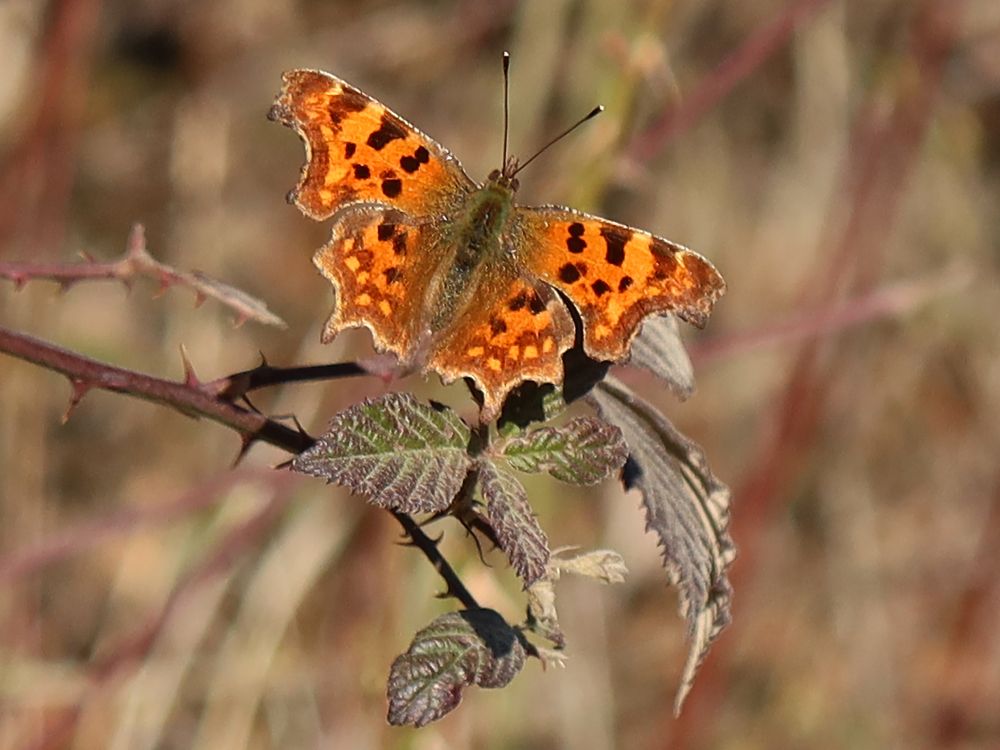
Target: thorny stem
[[138, 262], [189, 397], [263, 376], [196, 399], [430, 549]]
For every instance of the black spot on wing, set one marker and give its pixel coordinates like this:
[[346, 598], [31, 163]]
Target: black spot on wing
[[389, 130], [600, 287], [575, 242], [411, 164], [362, 172], [391, 275], [536, 305], [399, 243], [615, 239], [625, 283], [392, 187], [349, 149], [385, 231], [569, 274], [518, 302], [497, 326]]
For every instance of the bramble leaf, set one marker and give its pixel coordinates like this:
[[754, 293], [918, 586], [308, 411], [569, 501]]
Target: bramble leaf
[[458, 649], [400, 453], [688, 509], [602, 565], [583, 451], [659, 349], [515, 526]]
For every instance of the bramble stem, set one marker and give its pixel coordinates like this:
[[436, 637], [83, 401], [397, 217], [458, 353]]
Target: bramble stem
[[138, 262], [196, 399]]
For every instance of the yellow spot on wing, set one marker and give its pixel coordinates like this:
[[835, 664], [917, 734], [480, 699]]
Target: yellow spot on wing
[[494, 364], [385, 307], [531, 352], [352, 263], [547, 344], [333, 176], [475, 351], [514, 352], [364, 299]]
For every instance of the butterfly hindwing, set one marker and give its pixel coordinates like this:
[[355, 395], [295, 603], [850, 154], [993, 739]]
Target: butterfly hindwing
[[381, 265], [512, 330], [615, 275]]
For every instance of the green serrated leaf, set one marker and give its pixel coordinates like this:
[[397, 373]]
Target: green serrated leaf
[[583, 451], [400, 453], [458, 649], [515, 526]]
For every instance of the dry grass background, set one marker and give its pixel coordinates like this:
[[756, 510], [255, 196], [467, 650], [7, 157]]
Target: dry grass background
[[847, 186]]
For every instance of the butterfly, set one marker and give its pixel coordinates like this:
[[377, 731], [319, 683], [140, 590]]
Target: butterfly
[[453, 276]]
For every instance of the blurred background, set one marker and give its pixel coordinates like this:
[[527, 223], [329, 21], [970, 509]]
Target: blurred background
[[838, 161]]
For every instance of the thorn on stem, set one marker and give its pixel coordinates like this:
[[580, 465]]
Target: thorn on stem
[[190, 378], [299, 427], [246, 442], [135, 245], [250, 404], [79, 390]]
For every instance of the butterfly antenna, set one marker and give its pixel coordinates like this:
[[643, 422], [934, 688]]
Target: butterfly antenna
[[506, 104], [590, 115]]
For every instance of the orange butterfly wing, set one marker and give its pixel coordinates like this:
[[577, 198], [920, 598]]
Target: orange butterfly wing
[[511, 330], [615, 275], [381, 266], [357, 150]]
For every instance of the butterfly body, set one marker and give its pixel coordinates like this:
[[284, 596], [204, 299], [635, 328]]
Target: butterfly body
[[455, 277], [477, 249]]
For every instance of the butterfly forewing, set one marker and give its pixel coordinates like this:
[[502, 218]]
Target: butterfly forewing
[[615, 275], [360, 151]]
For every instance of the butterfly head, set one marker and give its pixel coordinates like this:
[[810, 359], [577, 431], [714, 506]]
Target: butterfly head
[[505, 177]]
